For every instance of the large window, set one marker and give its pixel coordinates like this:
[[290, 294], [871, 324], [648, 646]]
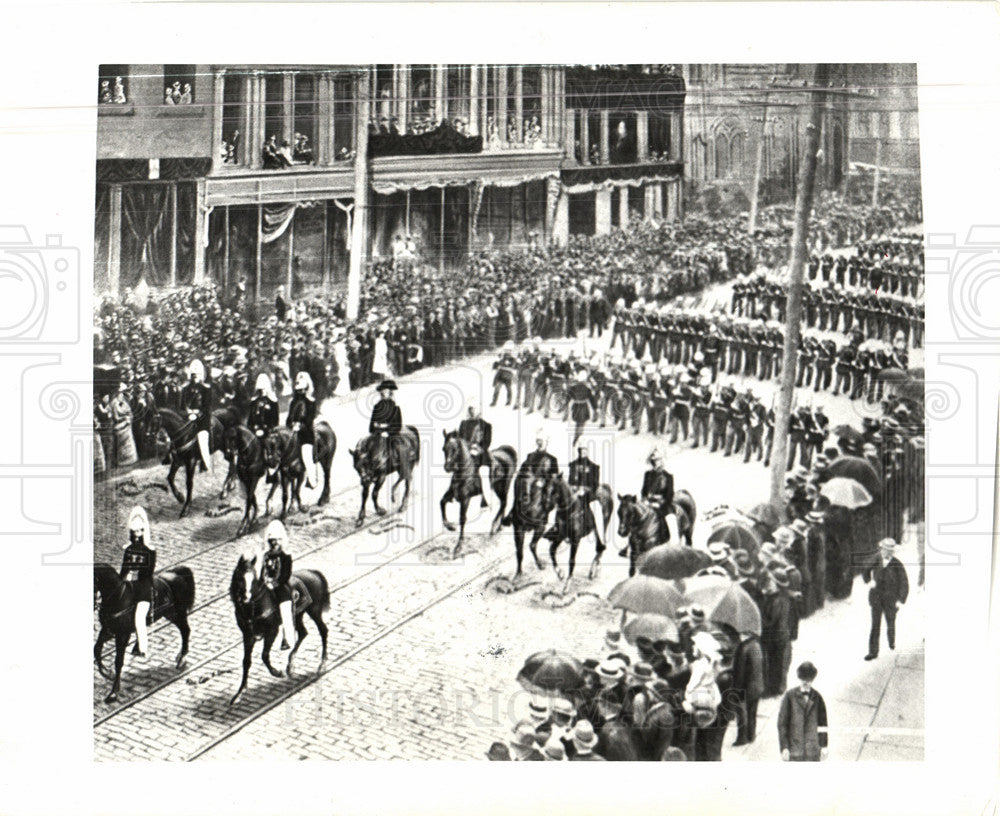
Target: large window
[[457, 93], [112, 87], [421, 113], [343, 118], [274, 107], [179, 84], [384, 93], [305, 118], [233, 110], [721, 156]]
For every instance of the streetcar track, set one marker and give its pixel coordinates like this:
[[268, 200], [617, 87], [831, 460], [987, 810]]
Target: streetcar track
[[340, 661], [218, 653]]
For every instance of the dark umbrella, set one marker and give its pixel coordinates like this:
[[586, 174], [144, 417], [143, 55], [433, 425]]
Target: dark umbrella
[[724, 601], [551, 671], [646, 593], [854, 467], [737, 536], [670, 561], [893, 375], [766, 515], [850, 433], [911, 390]]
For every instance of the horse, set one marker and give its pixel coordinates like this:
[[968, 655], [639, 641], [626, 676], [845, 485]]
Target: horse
[[533, 501], [644, 527], [373, 463], [465, 481], [575, 521], [283, 453], [177, 444], [257, 613], [244, 450], [173, 599]]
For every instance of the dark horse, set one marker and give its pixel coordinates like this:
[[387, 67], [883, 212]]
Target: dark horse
[[574, 522], [283, 453], [173, 598], [177, 444], [644, 528], [373, 464], [465, 481], [245, 451], [257, 613], [533, 501]]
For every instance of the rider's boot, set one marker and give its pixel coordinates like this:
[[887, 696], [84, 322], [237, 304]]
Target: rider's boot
[[206, 456], [484, 480], [310, 465], [142, 642], [287, 622]]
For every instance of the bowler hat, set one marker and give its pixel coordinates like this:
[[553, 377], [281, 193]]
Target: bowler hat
[[387, 385]]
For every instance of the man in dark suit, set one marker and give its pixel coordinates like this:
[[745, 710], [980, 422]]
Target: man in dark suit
[[479, 434], [802, 720], [387, 420], [887, 595]]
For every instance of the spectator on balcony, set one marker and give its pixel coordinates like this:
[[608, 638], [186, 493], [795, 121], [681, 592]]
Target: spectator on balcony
[[168, 96], [186, 94], [119, 97], [105, 92]]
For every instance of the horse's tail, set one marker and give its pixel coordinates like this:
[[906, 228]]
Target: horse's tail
[[181, 581], [606, 497], [416, 440], [324, 589], [323, 430], [507, 455]]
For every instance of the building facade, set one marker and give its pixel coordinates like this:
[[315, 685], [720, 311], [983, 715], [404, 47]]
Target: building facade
[[298, 174]]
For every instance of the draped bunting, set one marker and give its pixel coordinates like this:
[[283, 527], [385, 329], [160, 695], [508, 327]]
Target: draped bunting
[[119, 170], [477, 202], [610, 184], [443, 139], [553, 190], [276, 219], [146, 238], [636, 173], [498, 180], [348, 210]]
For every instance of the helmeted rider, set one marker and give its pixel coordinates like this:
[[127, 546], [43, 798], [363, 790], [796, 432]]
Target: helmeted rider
[[658, 491], [275, 572], [196, 403], [387, 419], [585, 478], [138, 567], [264, 407], [301, 416], [479, 434]]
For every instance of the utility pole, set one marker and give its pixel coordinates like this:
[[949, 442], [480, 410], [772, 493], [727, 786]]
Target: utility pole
[[755, 193], [359, 235], [793, 311]]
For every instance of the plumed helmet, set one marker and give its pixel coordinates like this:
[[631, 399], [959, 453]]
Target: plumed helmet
[[276, 531], [263, 383], [303, 380], [138, 522], [197, 369]]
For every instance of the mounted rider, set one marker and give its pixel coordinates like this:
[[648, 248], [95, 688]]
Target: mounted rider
[[196, 405], [263, 414], [658, 491], [539, 464], [276, 572], [138, 567], [301, 416], [387, 422], [479, 434], [585, 479]]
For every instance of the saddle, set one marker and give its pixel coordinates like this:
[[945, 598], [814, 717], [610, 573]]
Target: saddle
[[301, 599]]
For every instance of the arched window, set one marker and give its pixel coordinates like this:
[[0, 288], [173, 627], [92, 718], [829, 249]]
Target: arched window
[[736, 155], [721, 156]]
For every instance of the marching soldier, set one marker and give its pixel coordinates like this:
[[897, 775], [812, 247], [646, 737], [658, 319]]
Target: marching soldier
[[700, 412], [633, 397], [825, 352], [527, 362], [756, 416], [580, 403], [479, 434], [736, 427], [505, 368], [680, 412], [718, 410]]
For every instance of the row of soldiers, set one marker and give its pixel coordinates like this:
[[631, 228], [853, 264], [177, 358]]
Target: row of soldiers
[[829, 307], [675, 400]]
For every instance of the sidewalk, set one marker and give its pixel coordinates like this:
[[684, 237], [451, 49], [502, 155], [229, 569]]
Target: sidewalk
[[875, 708]]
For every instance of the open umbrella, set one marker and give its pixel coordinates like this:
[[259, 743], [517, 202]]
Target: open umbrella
[[646, 593], [670, 561], [724, 601], [765, 514], [854, 467], [651, 626], [846, 493], [551, 671], [893, 375], [737, 536]]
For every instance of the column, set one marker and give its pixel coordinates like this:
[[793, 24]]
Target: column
[[249, 140], [218, 89], [173, 234], [474, 100], [225, 250], [325, 275], [560, 224], [642, 136], [404, 97], [200, 226], [258, 264], [255, 113], [602, 211], [569, 142], [648, 205], [559, 104], [115, 238], [676, 137], [585, 136], [658, 200], [543, 73], [324, 136], [519, 103], [359, 235], [290, 259], [394, 108], [605, 137], [485, 107], [287, 106], [623, 206], [671, 200], [437, 78], [501, 74]]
